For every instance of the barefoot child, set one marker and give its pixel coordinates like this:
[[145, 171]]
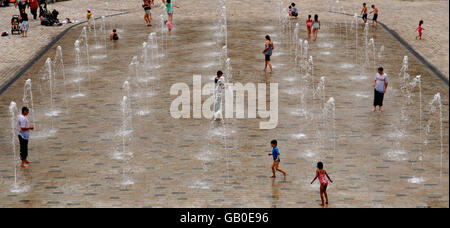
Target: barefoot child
[[375, 15], [364, 12], [316, 26], [114, 36], [309, 24], [276, 159], [420, 29], [322, 175], [169, 27], [88, 17]]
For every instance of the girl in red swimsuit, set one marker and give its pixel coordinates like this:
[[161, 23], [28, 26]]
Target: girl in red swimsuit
[[322, 175], [309, 24], [420, 29]]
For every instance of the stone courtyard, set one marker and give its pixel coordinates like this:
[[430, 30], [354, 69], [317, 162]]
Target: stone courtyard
[[93, 148]]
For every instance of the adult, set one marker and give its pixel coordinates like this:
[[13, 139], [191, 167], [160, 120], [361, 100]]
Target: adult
[[21, 4], [24, 135], [25, 25], [316, 26], [148, 13], [380, 85], [34, 6], [42, 7], [269, 47]]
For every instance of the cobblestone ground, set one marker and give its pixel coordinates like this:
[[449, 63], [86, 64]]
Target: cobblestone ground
[[83, 158]]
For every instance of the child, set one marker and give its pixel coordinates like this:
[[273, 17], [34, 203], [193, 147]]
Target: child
[[316, 26], [169, 26], [170, 6], [364, 13], [375, 15], [148, 12], [290, 11], [114, 36], [276, 159], [15, 23], [420, 29], [321, 173], [309, 24], [88, 17]]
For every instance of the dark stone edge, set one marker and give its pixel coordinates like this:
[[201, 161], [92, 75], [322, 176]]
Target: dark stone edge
[[405, 44]]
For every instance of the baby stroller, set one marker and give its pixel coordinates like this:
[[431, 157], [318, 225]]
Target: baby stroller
[[15, 25]]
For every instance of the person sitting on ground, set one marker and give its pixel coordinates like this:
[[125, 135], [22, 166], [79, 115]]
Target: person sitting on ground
[[290, 11], [15, 23], [294, 11], [114, 36], [45, 20]]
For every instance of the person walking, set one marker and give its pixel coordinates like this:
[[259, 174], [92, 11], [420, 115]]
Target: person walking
[[24, 136], [380, 84], [316, 26], [34, 6], [148, 14], [25, 25], [309, 24], [21, 4], [269, 47]]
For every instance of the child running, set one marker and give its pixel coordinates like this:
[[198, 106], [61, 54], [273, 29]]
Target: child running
[[420, 29], [276, 159], [309, 24], [322, 175], [316, 26]]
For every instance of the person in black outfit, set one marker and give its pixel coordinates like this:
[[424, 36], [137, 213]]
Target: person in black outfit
[[22, 5]]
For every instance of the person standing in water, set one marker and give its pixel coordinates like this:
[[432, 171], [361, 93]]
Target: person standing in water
[[269, 47], [380, 85], [316, 26], [364, 12], [148, 12], [375, 15], [309, 24], [24, 136], [322, 175], [170, 5], [276, 159]]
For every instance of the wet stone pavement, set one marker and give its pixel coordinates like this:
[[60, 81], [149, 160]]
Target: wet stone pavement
[[83, 157]]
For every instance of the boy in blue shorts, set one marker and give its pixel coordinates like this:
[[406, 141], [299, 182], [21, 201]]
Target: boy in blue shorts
[[276, 159]]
